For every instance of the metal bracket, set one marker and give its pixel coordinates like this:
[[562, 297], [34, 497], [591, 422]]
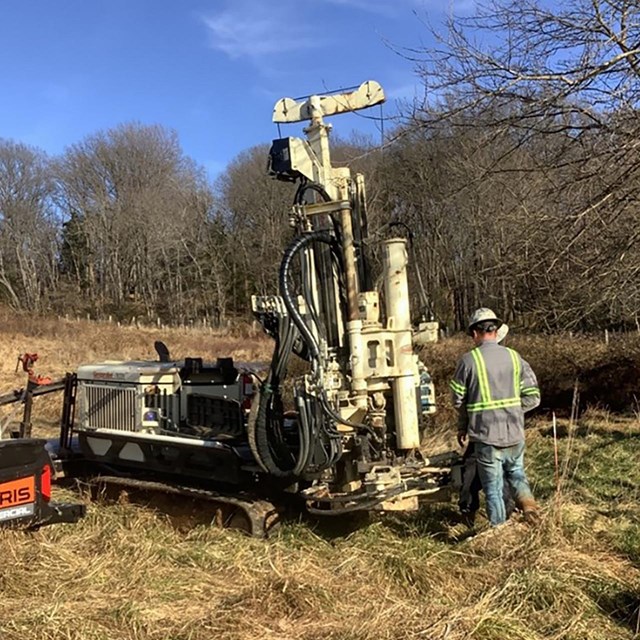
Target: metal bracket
[[368, 94]]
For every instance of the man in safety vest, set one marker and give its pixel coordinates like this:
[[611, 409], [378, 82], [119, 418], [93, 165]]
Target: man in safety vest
[[493, 387], [469, 495]]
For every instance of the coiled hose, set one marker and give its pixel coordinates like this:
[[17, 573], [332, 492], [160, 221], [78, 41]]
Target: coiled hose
[[266, 436]]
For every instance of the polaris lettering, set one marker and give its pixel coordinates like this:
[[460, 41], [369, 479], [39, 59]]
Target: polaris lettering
[[17, 492]]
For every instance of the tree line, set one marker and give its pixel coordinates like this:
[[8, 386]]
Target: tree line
[[518, 176]]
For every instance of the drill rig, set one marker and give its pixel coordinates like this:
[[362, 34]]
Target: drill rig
[[342, 436], [362, 406]]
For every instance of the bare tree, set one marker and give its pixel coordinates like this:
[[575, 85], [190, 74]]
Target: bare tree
[[28, 230], [137, 209], [256, 210], [553, 94]]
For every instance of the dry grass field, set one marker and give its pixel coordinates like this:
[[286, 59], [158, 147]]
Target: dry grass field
[[128, 573]]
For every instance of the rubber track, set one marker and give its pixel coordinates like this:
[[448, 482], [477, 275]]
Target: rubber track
[[261, 515]]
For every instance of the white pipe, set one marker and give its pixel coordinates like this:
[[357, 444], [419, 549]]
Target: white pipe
[[396, 289]]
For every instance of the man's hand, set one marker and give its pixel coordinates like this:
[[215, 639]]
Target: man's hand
[[462, 437]]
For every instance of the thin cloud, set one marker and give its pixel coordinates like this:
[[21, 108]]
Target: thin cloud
[[252, 28], [392, 8], [383, 7], [372, 6]]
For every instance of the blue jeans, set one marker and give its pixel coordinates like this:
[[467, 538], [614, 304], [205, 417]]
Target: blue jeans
[[495, 465], [469, 498]]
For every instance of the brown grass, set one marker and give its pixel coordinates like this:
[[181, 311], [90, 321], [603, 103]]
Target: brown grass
[[127, 573]]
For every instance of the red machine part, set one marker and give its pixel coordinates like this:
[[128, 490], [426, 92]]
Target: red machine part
[[28, 360], [45, 482]]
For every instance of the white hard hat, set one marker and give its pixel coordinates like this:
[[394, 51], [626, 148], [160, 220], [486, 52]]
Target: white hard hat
[[483, 314]]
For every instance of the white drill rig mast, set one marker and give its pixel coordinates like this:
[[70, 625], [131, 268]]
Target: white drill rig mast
[[377, 354], [364, 369]]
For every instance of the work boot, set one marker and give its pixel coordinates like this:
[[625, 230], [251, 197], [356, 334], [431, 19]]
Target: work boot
[[530, 511], [468, 518]]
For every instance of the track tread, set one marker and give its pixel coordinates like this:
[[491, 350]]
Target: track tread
[[262, 515]]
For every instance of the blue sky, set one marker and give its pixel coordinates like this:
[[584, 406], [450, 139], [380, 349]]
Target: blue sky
[[211, 70]]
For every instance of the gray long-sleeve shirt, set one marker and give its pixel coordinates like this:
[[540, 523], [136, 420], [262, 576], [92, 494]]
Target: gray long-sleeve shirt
[[493, 387]]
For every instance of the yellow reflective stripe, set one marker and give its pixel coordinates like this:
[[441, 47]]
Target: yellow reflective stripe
[[494, 404], [530, 391], [485, 392], [515, 359], [457, 387]]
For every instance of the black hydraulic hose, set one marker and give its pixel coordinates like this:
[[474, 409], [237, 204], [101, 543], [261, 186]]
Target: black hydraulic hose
[[270, 446], [264, 444], [314, 352], [266, 438], [294, 248], [336, 416], [354, 425], [307, 185], [404, 225], [305, 431], [285, 290]]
